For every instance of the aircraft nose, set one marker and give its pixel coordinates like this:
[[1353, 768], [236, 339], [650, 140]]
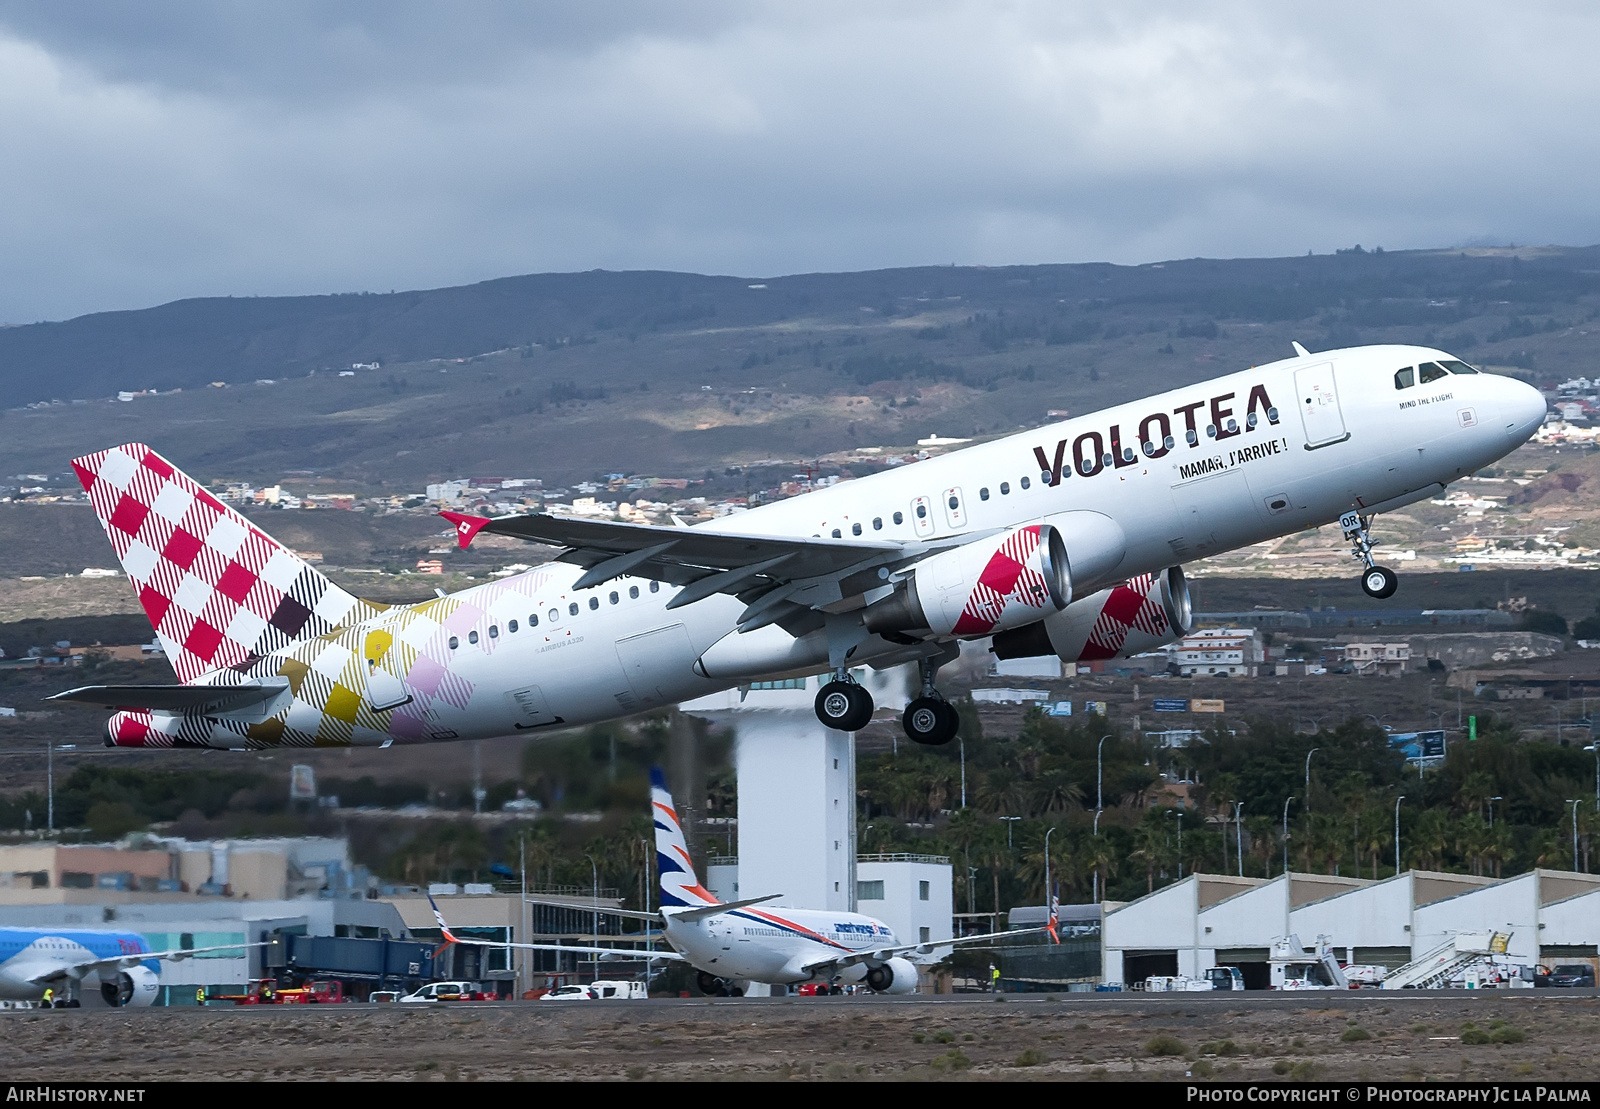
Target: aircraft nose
[[1524, 408]]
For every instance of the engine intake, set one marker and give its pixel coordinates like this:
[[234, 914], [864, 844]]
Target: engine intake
[[895, 976], [1131, 617], [988, 585], [135, 987]]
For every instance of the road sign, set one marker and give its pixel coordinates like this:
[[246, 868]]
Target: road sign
[[1171, 704]]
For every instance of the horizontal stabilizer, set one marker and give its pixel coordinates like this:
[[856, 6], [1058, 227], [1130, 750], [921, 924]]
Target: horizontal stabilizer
[[204, 700], [703, 911]]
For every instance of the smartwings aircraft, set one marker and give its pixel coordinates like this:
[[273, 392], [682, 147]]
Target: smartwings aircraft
[[731, 944], [1066, 540]]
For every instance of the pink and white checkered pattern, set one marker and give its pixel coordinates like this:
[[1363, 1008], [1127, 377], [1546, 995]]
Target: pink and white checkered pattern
[[1011, 577], [218, 591], [1134, 605]]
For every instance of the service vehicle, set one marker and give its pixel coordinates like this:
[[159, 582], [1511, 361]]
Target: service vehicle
[[447, 991]]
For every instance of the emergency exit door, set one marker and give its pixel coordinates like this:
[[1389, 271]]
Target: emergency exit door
[[1319, 406]]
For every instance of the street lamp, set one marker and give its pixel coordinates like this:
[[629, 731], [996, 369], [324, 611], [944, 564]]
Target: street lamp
[[594, 928], [1595, 747], [1096, 833], [1492, 800], [50, 784], [1309, 753], [1048, 833], [1397, 801], [1238, 831], [1179, 814], [1099, 775], [1286, 801], [1010, 820], [963, 743], [1573, 801], [1377, 721]]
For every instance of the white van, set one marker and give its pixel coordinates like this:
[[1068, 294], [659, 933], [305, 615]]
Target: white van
[[599, 991]]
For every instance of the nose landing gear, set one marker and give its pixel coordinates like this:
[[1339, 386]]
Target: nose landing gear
[[1378, 582]]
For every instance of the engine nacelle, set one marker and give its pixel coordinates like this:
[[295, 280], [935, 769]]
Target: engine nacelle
[[895, 976], [991, 584], [133, 988], [1133, 616]]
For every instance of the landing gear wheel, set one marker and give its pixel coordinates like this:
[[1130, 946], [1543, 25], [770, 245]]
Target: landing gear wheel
[[930, 720], [844, 706], [711, 985], [1380, 582], [735, 991]]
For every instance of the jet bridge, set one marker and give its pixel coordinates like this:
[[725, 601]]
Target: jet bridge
[[1435, 969]]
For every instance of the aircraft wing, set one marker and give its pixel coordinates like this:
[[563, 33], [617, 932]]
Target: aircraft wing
[[616, 952], [75, 971], [763, 570], [884, 954], [203, 699]]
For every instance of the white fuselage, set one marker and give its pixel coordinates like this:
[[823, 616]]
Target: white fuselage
[[1309, 438], [765, 944], [29, 957]]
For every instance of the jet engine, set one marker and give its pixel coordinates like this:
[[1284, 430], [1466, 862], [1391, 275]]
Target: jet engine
[[1131, 617], [895, 976], [134, 988], [998, 582]]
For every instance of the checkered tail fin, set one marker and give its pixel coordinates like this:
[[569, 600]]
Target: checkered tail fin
[[217, 589]]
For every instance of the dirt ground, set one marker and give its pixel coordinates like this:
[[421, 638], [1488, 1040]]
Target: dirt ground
[[1414, 1036]]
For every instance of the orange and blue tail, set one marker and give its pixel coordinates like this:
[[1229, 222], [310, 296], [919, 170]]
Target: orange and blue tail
[[679, 886], [218, 590]]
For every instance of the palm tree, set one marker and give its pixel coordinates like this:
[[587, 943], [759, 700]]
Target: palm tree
[[1475, 790], [1000, 793], [1429, 839], [1054, 791], [1150, 848]]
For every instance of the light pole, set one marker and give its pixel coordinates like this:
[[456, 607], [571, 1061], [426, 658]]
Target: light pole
[[1096, 891], [50, 784], [1010, 820], [1397, 801], [1492, 800], [1099, 775], [1309, 753], [1595, 747], [1238, 832], [1048, 832], [963, 743], [1286, 801], [594, 927], [1179, 814], [1573, 801]]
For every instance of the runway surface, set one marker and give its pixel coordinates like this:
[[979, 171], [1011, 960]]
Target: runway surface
[[1348, 1035]]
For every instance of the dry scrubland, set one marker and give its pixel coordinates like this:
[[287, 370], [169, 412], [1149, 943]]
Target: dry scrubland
[[1420, 1036]]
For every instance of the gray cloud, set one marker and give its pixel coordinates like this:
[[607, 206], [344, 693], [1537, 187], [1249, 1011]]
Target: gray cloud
[[164, 150]]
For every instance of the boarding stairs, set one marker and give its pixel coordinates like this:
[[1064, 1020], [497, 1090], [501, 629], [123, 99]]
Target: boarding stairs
[[1435, 969]]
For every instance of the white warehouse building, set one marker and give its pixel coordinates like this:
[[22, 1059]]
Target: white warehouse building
[[1209, 920]]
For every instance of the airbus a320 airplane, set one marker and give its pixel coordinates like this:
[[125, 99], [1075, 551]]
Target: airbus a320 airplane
[[1066, 540]]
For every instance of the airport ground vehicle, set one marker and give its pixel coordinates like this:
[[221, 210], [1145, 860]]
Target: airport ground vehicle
[[1225, 978], [447, 991], [267, 991], [1570, 976]]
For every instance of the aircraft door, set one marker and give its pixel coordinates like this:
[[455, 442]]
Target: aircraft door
[[1216, 513], [1319, 406], [654, 660], [954, 512], [384, 690], [922, 516]]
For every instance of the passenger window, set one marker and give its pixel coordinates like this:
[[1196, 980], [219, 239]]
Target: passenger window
[[1211, 431], [1405, 379], [633, 592], [855, 529], [614, 598], [983, 494], [1431, 371], [472, 637], [899, 518], [1456, 367], [594, 603], [1169, 442], [533, 620], [836, 534], [512, 626], [1023, 483], [1190, 437], [655, 587], [877, 523], [1005, 488], [454, 642], [572, 609], [494, 631]]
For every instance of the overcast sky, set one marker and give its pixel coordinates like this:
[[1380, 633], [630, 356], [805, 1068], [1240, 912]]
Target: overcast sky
[[160, 150]]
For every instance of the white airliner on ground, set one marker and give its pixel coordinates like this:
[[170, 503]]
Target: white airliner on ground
[[735, 943], [33, 960], [1066, 540]]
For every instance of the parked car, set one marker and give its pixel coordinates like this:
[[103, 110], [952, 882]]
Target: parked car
[[447, 991], [1571, 976], [569, 993]]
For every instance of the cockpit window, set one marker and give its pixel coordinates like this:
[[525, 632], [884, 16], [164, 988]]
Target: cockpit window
[[1405, 379], [1431, 371], [1456, 367]]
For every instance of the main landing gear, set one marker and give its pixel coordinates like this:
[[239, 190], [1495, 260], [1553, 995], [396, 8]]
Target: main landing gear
[[930, 719], [712, 986], [842, 704], [1379, 582]]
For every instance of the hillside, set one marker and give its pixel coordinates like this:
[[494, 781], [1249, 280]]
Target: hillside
[[566, 376]]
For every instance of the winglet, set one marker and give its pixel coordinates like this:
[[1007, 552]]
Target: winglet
[[466, 526], [1299, 350]]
